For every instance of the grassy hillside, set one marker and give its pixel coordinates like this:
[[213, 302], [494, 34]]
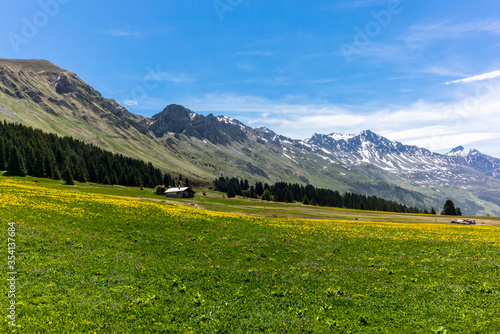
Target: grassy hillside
[[88, 261], [28, 96]]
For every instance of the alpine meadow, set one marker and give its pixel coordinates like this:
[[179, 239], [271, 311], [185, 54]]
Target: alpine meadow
[[93, 262], [230, 166]]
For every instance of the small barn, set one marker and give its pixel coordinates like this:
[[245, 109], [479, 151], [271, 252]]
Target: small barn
[[179, 192]]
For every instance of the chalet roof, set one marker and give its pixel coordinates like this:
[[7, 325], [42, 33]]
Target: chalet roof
[[177, 190]]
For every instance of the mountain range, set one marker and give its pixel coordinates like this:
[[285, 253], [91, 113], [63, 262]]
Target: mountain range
[[38, 93]]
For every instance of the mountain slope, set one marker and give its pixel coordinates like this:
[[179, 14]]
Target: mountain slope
[[477, 160], [40, 94]]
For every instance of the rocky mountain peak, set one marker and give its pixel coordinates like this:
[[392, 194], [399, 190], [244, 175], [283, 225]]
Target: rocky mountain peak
[[353, 142], [457, 149], [477, 160], [178, 119], [175, 112], [462, 152], [368, 134]]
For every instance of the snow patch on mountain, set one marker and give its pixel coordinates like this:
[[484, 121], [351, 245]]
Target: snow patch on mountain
[[460, 151], [340, 136], [231, 121]]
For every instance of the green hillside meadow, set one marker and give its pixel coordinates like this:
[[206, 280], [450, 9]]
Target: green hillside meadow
[[91, 262]]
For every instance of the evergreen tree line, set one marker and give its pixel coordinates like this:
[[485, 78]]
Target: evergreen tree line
[[288, 193], [27, 151], [232, 186]]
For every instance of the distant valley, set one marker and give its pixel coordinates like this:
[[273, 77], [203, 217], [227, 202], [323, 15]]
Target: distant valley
[[37, 93]]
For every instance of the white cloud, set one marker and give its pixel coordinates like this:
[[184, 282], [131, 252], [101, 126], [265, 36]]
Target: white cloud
[[422, 34], [439, 127], [130, 103], [480, 77], [442, 71], [149, 106], [443, 141]]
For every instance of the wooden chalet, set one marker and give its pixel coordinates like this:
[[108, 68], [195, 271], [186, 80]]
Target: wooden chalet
[[184, 192]]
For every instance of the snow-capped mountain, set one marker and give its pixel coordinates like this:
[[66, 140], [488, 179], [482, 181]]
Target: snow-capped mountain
[[465, 170], [477, 160], [370, 148]]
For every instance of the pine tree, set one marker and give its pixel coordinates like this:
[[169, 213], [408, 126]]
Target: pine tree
[[288, 196], [48, 167], [449, 208], [93, 173], [68, 176], [122, 179], [103, 175], [56, 174], [60, 157], [30, 160], [39, 167], [252, 192], [114, 178], [230, 192], [80, 175], [259, 189], [305, 201], [458, 212], [85, 175], [166, 180], [147, 181], [131, 180], [15, 166], [76, 174], [433, 211], [3, 161], [106, 180]]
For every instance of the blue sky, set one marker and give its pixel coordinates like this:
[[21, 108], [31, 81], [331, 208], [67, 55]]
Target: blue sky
[[417, 71]]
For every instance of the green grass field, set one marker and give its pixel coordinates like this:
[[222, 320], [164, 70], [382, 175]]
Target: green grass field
[[97, 259]]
